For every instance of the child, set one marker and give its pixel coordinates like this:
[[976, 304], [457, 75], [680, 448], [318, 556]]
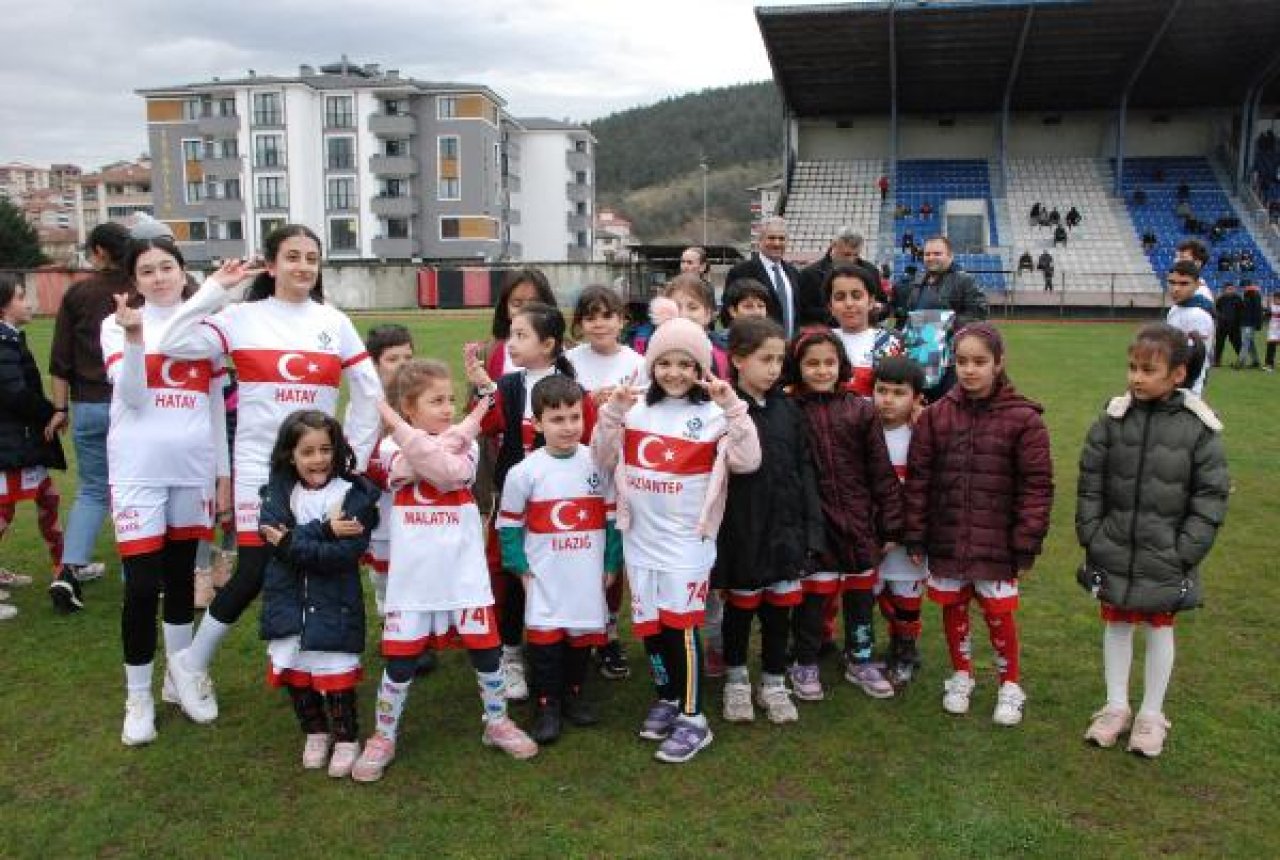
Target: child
[[772, 527], [851, 299], [899, 398], [979, 489], [672, 454], [389, 345], [557, 533], [537, 344], [1152, 496], [521, 287], [1273, 331], [745, 297], [438, 592], [862, 507], [167, 442], [599, 365], [29, 444], [316, 516]]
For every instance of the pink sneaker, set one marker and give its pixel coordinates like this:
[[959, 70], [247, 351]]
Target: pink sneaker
[[1148, 735], [508, 737], [1108, 725], [378, 752], [316, 751], [344, 758]]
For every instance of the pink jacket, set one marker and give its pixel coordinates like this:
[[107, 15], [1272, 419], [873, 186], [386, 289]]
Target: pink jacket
[[446, 459], [738, 451]]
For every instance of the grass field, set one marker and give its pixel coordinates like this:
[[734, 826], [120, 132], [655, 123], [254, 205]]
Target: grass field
[[854, 777]]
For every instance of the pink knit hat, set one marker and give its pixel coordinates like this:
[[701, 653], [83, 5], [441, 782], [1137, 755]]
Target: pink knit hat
[[672, 333]]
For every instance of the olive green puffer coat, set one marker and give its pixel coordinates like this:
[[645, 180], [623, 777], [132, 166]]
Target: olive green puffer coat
[[1153, 493]]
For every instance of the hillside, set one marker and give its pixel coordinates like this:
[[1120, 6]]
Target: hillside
[[647, 161]]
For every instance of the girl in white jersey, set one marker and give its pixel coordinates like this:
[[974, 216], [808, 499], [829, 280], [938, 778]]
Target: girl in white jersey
[[291, 352], [672, 454], [167, 440]]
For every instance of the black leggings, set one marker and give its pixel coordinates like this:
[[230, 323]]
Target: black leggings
[[511, 612], [675, 657], [172, 568], [558, 669], [322, 713], [245, 585], [401, 670], [774, 621]]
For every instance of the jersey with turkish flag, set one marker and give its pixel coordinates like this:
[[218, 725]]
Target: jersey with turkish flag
[[896, 565], [437, 545], [166, 438], [669, 449], [563, 504]]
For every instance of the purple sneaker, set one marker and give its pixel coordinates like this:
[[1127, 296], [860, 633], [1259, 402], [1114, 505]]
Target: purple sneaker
[[659, 721], [686, 740], [806, 684]]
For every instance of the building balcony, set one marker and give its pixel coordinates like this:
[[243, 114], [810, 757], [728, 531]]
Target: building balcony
[[395, 249], [225, 249], [393, 125], [576, 254], [395, 207], [578, 222], [223, 166], [576, 161], [513, 217], [223, 207], [578, 192], [512, 182], [393, 165], [273, 204], [218, 126]]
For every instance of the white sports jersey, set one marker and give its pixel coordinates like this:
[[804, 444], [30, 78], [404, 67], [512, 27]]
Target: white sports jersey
[[162, 412], [437, 546], [288, 356], [309, 505], [563, 504], [668, 452], [863, 355], [896, 565], [379, 472], [595, 371], [1198, 321]]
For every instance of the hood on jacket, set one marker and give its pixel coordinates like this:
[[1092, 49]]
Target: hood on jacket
[[1119, 406]]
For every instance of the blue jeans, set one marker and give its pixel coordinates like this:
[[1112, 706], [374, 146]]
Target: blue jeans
[[89, 424]]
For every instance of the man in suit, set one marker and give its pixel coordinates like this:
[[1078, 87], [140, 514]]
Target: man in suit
[[845, 249], [767, 266]]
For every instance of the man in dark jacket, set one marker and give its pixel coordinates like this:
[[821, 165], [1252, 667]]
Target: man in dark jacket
[[1250, 322], [845, 250], [1230, 308], [1045, 266], [767, 266]]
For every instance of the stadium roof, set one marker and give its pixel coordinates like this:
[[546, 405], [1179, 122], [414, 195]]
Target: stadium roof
[[962, 55]]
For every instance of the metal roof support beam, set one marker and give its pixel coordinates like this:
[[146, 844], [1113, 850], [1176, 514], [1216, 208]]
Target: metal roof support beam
[[1248, 121], [1128, 89], [893, 97], [1008, 92]]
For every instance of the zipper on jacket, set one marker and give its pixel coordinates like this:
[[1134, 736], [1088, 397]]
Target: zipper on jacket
[[1137, 489]]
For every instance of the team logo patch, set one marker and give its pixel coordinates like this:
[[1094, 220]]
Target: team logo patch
[[692, 428], [324, 339], [593, 483]]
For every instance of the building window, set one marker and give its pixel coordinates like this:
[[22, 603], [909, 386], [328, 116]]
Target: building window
[[226, 106], [191, 109], [226, 231], [224, 148], [450, 189], [447, 107], [580, 177], [395, 147], [272, 193], [231, 189], [267, 226], [192, 150], [338, 112], [397, 228], [394, 188], [268, 150], [342, 234], [579, 146], [394, 107], [581, 207], [582, 238], [195, 192], [449, 148], [340, 153], [450, 228], [342, 194], [448, 168], [235, 231], [197, 231], [266, 109]]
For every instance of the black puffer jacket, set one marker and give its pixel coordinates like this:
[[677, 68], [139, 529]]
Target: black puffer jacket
[[24, 409], [1152, 496], [312, 583], [772, 521]]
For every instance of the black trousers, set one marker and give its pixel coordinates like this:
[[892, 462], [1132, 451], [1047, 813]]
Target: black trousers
[[774, 635], [558, 669], [172, 568], [244, 586]]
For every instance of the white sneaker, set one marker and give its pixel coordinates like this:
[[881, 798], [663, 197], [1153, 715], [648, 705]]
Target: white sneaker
[[955, 693], [194, 690], [90, 572], [1009, 703], [8, 611], [776, 701], [168, 692], [139, 720], [513, 675], [737, 703]]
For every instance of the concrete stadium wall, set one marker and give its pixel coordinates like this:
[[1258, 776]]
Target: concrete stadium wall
[[972, 136], [822, 140]]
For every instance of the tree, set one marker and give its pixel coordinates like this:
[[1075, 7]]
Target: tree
[[19, 242]]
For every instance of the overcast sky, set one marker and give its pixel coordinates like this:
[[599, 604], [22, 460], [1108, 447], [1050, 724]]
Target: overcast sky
[[68, 70]]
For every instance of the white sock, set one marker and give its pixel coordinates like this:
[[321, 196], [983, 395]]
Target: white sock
[[1159, 669], [737, 675], [137, 680], [493, 693], [177, 637], [391, 699], [699, 720], [512, 653], [1117, 659], [767, 680], [205, 644]]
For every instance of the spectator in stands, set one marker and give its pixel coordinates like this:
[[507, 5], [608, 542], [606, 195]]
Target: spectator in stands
[[1230, 307], [1025, 263], [901, 211], [1158, 174], [917, 252], [1248, 264], [908, 242], [884, 187], [767, 266], [1149, 241], [1226, 261], [1036, 209], [1250, 323], [1059, 236], [812, 306], [1184, 191], [1055, 218], [1183, 210], [1194, 251], [1216, 234], [1073, 218], [926, 209], [943, 286], [1045, 266], [1139, 197]]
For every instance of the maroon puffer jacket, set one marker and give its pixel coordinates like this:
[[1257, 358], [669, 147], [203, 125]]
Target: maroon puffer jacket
[[861, 496], [979, 485]]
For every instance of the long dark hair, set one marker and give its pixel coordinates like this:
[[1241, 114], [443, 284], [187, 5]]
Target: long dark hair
[[138, 247], [295, 426], [806, 339], [548, 322], [112, 238], [264, 286], [501, 316]]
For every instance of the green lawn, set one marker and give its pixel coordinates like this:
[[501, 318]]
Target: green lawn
[[854, 777]]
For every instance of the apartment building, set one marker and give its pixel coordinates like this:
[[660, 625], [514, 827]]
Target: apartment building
[[18, 179], [116, 192], [383, 166], [552, 201]]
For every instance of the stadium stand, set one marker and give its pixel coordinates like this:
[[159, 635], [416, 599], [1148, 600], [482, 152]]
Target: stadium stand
[[934, 182], [828, 195]]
